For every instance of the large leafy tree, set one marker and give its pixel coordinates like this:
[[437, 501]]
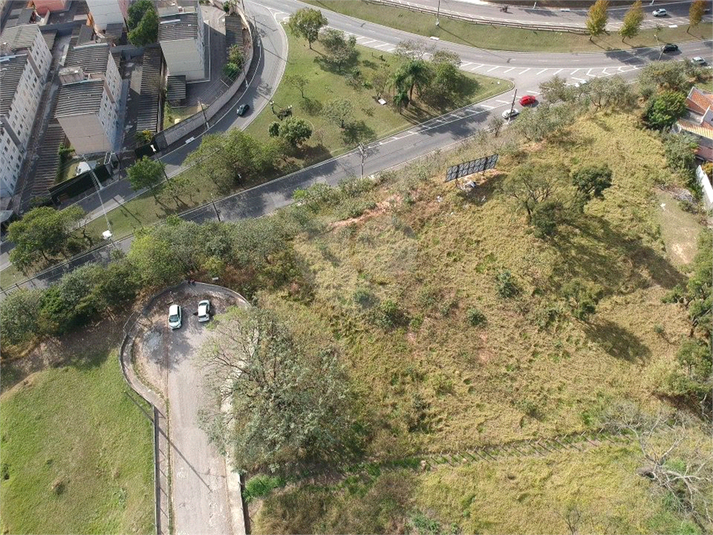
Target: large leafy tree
[[339, 111], [556, 89], [288, 402], [591, 181], [156, 261], [664, 109], [696, 12], [42, 233], [597, 18], [532, 184], [306, 23], [295, 131], [341, 49], [414, 74], [19, 314], [143, 23], [632, 21], [146, 173]]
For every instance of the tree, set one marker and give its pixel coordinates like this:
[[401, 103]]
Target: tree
[[19, 313], [632, 21], [231, 70], [613, 92], [696, 12], [288, 403], [146, 173], [236, 57], [143, 23], [297, 81], [306, 23], [546, 217], [591, 181], [531, 184], [664, 109], [411, 49], [582, 298], [680, 150], [670, 75], [339, 111], [295, 131], [556, 89], [144, 137], [401, 100], [414, 74], [495, 124], [380, 79], [274, 129], [537, 124], [42, 233], [447, 79], [341, 49], [155, 260], [597, 18]]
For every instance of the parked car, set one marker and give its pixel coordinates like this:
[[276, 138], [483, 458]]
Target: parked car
[[670, 47], [510, 114], [698, 60], [175, 316], [242, 109], [528, 100], [660, 13], [204, 311]]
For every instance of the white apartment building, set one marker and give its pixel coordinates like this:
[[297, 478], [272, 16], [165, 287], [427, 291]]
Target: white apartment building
[[88, 103], [105, 12], [181, 35], [25, 61]]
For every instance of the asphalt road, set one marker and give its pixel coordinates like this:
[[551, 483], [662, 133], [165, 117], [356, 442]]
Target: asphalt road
[[575, 17], [526, 70]]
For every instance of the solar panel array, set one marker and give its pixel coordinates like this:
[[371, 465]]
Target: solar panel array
[[474, 166]]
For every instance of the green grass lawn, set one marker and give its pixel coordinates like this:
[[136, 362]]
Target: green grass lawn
[[374, 120], [500, 37], [76, 452]]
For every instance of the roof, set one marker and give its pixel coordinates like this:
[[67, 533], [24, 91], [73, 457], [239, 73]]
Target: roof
[[92, 58], [699, 100], [11, 69], [20, 37], [233, 30], [702, 130], [80, 98], [180, 26], [705, 153], [176, 89], [85, 35]]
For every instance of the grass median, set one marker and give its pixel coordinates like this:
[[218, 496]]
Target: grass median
[[503, 38]]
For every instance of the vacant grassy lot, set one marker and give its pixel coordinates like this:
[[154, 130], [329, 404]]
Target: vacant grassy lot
[[371, 120], [76, 452], [508, 495], [502, 38], [429, 380]]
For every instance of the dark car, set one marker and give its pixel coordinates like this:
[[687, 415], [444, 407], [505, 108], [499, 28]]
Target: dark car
[[670, 47], [242, 109], [528, 100]]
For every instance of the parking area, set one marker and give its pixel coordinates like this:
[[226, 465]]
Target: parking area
[[203, 492]]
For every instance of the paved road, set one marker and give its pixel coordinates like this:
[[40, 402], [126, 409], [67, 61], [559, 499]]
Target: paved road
[[527, 70], [543, 16]]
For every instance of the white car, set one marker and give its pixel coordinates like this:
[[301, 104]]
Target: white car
[[175, 317], [660, 13], [699, 61], [204, 311], [510, 114]]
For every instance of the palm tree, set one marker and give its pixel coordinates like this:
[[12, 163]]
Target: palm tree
[[401, 100], [416, 73]]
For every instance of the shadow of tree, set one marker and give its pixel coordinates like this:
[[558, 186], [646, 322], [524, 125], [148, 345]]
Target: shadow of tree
[[357, 132], [617, 341], [311, 106], [315, 153], [327, 64]]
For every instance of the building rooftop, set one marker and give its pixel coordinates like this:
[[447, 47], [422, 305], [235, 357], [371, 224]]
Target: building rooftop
[[11, 69], [168, 8], [699, 101], [90, 57], [702, 130], [18, 38], [80, 98], [180, 26]]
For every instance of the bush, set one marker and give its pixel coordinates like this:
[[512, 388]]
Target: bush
[[364, 298], [545, 219], [476, 317], [664, 109], [506, 285], [582, 298], [390, 315], [261, 486]]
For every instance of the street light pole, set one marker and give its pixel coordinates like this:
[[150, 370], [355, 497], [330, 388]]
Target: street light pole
[[99, 188], [362, 152], [205, 118], [217, 213], [438, 14]]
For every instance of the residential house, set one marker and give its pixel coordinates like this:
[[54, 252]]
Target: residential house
[[699, 121]]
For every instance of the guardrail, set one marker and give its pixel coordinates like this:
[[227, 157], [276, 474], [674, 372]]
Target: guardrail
[[479, 20]]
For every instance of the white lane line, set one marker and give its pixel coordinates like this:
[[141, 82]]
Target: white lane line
[[523, 72], [589, 73], [382, 44], [465, 64], [367, 41], [502, 101], [507, 71], [575, 70], [493, 68], [478, 66], [532, 92], [487, 107], [543, 70], [557, 72]]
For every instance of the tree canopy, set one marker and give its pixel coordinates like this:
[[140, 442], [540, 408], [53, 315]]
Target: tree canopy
[[597, 18], [143, 23], [146, 173], [306, 23], [632, 21]]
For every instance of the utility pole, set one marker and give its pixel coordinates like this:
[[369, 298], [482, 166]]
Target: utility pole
[[99, 188], [362, 152], [512, 106], [438, 14], [205, 118], [217, 213]]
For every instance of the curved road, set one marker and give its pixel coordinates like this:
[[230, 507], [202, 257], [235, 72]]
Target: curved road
[[526, 70]]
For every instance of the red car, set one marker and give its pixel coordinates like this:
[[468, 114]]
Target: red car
[[527, 100]]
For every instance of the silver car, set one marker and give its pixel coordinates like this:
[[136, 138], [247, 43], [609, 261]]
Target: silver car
[[204, 311], [175, 317]]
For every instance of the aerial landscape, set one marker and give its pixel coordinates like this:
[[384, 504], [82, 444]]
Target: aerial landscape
[[356, 266]]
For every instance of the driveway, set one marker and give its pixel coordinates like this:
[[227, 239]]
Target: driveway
[[204, 496]]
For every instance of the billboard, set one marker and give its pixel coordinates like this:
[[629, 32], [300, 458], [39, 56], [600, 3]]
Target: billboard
[[474, 166]]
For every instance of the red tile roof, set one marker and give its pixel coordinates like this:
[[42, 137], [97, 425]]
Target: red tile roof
[[699, 101]]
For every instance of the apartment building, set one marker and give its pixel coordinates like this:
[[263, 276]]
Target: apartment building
[[106, 12], [89, 100], [25, 61], [181, 35]]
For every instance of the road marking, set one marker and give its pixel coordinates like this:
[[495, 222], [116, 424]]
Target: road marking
[[543, 70], [523, 72], [493, 68], [502, 101], [487, 107], [557, 72], [575, 70], [507, 71], [589, 73], [465, 64], [382, 44]]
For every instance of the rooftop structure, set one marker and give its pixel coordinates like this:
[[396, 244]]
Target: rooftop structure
[[181, 35]]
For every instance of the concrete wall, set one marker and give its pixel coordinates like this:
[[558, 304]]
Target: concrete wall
[[705, 183]]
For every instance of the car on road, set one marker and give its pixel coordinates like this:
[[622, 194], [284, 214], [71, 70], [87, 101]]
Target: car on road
[[698, 60], [510, 114], [175, 317], [528, 100], [242, 109], [204, 311], [670, 47], [660, 13]]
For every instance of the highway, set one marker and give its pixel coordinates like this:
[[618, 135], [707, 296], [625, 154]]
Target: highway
[[526, 70]]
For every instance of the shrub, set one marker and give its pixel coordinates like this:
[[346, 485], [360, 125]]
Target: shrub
[[476, 317], [261, 486], [390, 315], [506, 285], [364, 298]]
